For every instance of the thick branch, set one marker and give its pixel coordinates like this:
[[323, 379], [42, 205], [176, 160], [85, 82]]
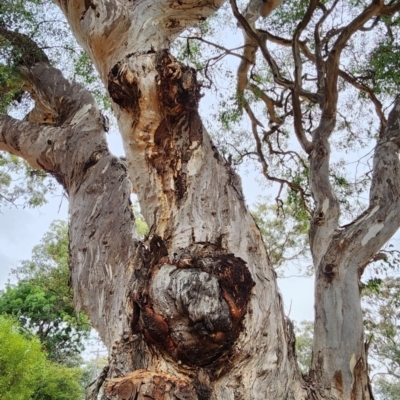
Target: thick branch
[[76, 154], [32, 142], [327, 211], [371, 230], [57, 102], [269, 102]]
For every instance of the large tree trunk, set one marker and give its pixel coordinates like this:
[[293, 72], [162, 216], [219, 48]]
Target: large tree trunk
[[193, 311], [196, 306], [204, 301]]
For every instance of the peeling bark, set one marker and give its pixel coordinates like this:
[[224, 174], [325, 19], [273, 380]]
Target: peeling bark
[[96, 182]]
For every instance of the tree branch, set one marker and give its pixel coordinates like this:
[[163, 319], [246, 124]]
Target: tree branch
[[376, 225], [32, 142], [319, 61], [344, 75], [370, 93], [390, 10], [269, 102], [298, 68], [255, 37], [217, 46], [263, 161], [332, 63]]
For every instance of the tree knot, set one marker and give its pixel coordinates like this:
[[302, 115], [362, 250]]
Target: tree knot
[[123, 87], [329, 272], [195, 305], [178, 90]]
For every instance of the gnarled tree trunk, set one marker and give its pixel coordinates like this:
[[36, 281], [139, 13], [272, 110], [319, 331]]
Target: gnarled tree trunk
[[192, 312]]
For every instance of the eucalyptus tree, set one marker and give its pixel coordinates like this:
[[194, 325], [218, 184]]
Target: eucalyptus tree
[[192, 310]]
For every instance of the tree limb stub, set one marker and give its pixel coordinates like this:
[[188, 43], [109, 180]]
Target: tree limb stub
[[145, 384]]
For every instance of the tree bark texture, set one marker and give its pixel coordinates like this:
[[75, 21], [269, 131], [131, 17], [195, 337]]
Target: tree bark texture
[[192, 311]]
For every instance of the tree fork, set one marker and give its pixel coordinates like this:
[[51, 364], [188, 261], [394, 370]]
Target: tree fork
[[207, 274]]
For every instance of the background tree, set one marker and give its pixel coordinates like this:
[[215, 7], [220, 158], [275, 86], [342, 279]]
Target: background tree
[[42, 300], [59, 382], [194, 311], [25, 372], [304, 339], [381, 309], [22, 362]]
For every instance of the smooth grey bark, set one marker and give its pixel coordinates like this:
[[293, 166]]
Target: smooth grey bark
[[340, 329]]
